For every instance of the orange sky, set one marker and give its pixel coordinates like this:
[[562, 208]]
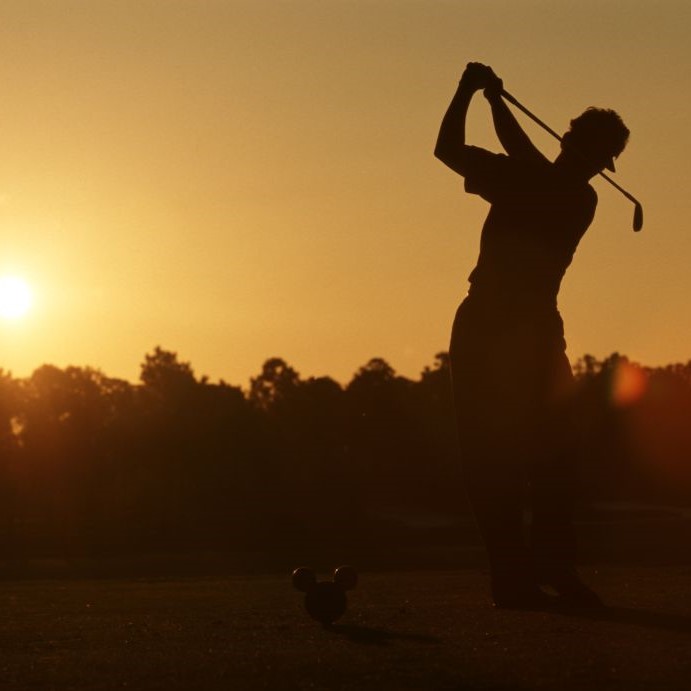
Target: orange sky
[[235, 180]]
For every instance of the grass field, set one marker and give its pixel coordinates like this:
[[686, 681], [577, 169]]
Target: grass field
[[403, 630]]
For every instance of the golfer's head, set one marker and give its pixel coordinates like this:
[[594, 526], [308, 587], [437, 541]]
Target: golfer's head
[[599, 135]]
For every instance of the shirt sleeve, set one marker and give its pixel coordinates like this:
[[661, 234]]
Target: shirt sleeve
[[489, 175]]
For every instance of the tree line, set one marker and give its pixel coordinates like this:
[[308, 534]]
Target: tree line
[[89, 462]]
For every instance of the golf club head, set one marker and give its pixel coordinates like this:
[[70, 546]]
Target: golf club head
[[637, 217]]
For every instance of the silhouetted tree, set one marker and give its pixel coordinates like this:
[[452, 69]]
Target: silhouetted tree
[[10, 407], [385, 434], [275, 385], [164, 375], [436, 415], [89, 462]]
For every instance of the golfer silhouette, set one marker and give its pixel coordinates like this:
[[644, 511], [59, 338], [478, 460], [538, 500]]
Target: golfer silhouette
[[511, 378]]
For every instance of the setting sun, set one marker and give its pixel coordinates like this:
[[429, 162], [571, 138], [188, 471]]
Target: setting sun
[[15, 297]]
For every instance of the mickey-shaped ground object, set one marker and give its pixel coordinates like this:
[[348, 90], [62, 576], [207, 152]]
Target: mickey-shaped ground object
[[325, 601]]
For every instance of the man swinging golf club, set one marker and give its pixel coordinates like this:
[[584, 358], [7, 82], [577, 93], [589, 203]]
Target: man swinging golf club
[[511, 378]]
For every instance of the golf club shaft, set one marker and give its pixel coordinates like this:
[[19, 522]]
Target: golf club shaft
[[638, 213], [533, 117]]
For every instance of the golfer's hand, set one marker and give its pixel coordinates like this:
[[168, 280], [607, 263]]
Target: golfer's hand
[[478, 76], [494, 87]]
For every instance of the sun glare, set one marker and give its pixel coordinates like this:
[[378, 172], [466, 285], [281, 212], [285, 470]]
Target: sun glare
[[15, 297]]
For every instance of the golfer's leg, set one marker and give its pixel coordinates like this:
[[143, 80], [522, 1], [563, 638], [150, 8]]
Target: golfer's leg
[[495, 493], [493, 476], [553, 483], [553, 477], [552, 535], [553, 541]]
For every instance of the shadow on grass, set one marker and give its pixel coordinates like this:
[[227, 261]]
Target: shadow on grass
[[637, 617], [369, 636]]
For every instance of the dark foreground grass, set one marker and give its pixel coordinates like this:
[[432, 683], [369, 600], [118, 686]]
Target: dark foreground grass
[[415, 630]]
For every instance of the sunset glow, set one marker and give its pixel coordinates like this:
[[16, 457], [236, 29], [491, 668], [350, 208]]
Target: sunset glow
[[236, 180]]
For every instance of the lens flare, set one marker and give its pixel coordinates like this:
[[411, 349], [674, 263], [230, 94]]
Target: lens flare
[[629, 383]]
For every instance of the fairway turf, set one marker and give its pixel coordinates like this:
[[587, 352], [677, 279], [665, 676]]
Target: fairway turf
[[416, 630]]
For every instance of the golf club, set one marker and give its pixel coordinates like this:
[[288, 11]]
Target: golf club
[[638, 209]]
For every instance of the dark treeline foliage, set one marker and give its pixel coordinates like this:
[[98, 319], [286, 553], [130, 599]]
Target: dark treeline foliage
[[636, 424], [91, 463]]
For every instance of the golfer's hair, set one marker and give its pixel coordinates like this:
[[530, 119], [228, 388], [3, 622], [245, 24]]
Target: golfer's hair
[[602, 128]]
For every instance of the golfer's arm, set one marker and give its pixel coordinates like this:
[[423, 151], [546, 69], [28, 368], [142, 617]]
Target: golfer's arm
[[450, 148], [511, 135]]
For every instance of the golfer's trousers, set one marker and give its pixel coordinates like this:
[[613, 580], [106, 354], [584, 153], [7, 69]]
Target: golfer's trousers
[[512, 387]]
